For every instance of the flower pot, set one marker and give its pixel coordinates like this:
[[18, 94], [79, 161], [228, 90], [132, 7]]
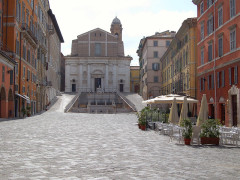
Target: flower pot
[[187, 141], [139, 126], [210, 140], [143, 127]]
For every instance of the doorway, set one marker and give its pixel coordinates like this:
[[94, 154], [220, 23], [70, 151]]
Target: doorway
[[16, 108], [234, 110], [121, 88], [211, 111], [73, 87], [98, 83], [222, 109]]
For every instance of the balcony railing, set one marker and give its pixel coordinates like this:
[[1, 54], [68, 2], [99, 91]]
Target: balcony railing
[[26, 28]]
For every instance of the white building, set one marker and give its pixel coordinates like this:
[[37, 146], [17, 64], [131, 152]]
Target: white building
[[97, 62]]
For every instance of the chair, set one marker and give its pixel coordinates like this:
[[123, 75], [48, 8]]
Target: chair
[[176, 134], [196, 134]]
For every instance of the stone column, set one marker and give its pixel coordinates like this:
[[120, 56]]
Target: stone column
[[89, 79], [67, 79], [80, 77], [115, 83], [106, 78]]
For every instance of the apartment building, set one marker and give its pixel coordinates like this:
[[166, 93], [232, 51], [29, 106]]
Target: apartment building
[[179, 62], [150, 50], [218, 44]]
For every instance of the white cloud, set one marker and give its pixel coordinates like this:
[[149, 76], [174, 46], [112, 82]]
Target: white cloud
[[139, 18]]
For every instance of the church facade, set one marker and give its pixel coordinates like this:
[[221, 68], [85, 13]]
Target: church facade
[[97, 62]]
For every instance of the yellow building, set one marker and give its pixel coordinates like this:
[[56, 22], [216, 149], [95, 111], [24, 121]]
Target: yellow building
[[179, 61], [134, 79]]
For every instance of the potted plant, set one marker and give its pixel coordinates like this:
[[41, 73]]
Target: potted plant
[[187, 131], [23, 110], [210, 132], [142, 118], [28, 111]]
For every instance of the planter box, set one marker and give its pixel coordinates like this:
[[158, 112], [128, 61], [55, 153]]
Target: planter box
[[143, 127], [210, 140], [187, 141]]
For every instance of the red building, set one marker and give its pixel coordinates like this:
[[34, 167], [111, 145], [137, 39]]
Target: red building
[[218, 45], [6, 75]]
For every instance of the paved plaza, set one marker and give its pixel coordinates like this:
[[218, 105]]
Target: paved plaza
[[56, 145]]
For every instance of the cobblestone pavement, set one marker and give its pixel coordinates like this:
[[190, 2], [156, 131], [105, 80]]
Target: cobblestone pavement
[[55, 145]]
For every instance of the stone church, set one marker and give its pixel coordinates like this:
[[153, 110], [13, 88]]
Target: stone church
[[97, 62]]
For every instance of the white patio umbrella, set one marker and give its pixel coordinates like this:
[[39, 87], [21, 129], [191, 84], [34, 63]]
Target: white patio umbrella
[[184, 111], [173, 116], [203, 113]]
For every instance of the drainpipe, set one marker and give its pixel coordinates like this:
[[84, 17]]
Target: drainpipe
[[7, 24], [20, 70], [214, 68]]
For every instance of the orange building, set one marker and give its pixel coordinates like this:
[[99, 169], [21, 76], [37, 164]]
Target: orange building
[[218, 46], [6, 75], [21, 37]]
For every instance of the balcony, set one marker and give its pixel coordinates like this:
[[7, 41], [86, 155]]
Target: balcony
[[29, 35]]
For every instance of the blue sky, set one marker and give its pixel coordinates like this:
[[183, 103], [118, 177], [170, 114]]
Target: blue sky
[[139, 18]]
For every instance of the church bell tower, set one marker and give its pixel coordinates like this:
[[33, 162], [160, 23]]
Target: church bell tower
[[116, 28]]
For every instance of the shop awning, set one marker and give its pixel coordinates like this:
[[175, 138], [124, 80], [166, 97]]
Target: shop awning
[[24, 97]]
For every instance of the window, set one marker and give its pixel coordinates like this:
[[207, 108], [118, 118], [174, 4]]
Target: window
[[24, 52], [223, 78], [220, 16], [17, 48], [233, 39], [201, 8], [28, 56], [28, 75], [23, 89], [11, 77], [155, 66], [18, 10], [168, 43], [232, 8], [16, 69], [3, 73], [155, 54], [24, 69], [202, 55], [97, 49], [220, 46], [23, 12], [155, 43], [210, 52], [233, 75], [202, 84], [32, 4], [202, 30], [155, 79], [210, 25], [209, 3]]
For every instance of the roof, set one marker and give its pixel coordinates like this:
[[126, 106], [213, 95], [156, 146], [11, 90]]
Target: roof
[[116, 21], [134, 67], [54, 20]]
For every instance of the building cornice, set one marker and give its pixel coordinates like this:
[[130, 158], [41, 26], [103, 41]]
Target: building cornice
[[54, 20], [196, 2]]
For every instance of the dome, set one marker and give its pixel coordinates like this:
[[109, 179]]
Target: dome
[[116, 21]]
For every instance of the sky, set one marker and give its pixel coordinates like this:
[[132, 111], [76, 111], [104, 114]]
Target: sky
[[139, 18]]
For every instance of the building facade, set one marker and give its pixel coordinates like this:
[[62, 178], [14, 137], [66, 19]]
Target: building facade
[[150, 50], [97, 62], [134, 79], [54, 58], [7, 64], [25, 30], [179, 62], [218, 45]]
